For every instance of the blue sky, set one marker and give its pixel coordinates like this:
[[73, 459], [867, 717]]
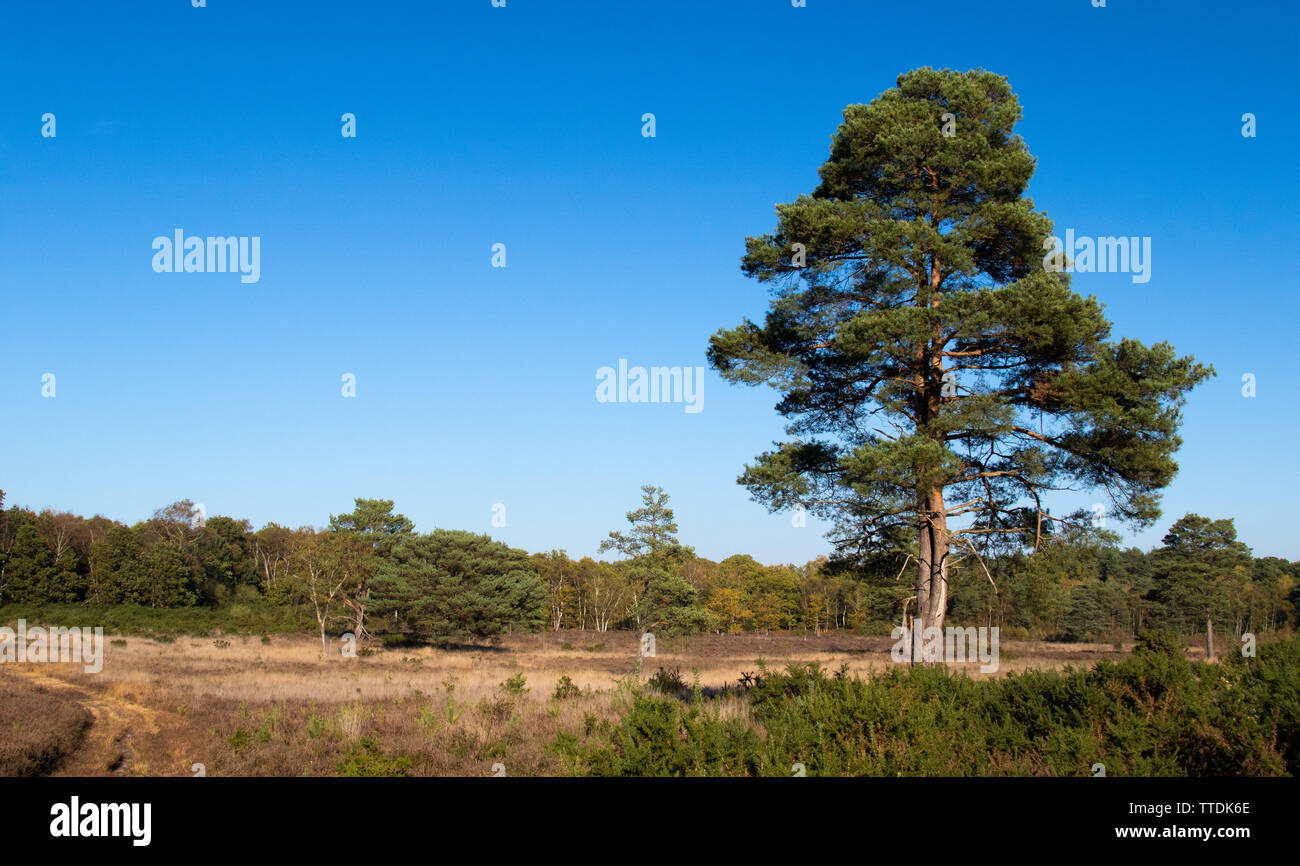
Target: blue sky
[[480, 125]]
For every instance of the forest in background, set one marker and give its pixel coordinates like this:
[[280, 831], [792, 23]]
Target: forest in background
[[370, 573]]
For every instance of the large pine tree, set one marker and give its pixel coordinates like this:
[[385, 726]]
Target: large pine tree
[[933, 370]]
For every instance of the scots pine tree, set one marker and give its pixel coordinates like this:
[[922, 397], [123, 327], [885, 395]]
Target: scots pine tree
[[937, 377], [451, 584], [661, 598], [373, 522], [1199, 567]]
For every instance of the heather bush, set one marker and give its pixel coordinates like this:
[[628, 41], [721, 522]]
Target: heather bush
[[1153, 714]]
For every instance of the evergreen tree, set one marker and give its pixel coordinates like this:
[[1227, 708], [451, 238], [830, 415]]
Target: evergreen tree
[[669, 606], [31, 572], [1198, 567], [660, 598], [931, 366], [451, 584], [115, 567], [653, 536], [373, 522]]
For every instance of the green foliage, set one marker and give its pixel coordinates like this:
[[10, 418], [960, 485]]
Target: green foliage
[[668, 605], [925, 357], [653, 535], [451, 584], [1161, 641], [516, 685], [134, 619], [374, 521], [566, 688], [1153, 714], [667, 681], [660, 737], [366, 758], [1201, 570], [451, 712], [171, 575], [661, 599], [30, 568]]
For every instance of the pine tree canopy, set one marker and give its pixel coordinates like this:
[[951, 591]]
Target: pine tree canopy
[[930, 365]]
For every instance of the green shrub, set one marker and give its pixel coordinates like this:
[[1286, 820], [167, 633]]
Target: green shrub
[[566, 688], [662, 737], [365, 758], [254, 616], [1153, 714], [516, 685], [1161, 641], [667, 682]]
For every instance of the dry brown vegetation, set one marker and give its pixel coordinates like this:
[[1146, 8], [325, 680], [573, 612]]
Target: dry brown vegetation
[[241, 706], [39, 727]]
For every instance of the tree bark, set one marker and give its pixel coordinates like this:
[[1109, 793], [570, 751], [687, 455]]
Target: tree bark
[[1209, 638], [932, 563], [932, 549], [360, 609]]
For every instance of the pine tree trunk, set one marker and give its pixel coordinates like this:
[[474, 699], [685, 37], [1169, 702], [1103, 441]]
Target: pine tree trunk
[[932, 564], [1209, 638], [359, 633], [932, 552]]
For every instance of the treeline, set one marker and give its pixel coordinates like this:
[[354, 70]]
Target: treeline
[[370, 571]]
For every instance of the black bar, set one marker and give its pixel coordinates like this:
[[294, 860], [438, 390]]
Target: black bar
[[243, 816]]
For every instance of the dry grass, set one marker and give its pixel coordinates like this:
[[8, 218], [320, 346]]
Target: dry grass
[[39, 727], [243, 707]]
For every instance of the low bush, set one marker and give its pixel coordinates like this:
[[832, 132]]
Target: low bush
[[667, 681], [366, 758], [1153, 714], [566, 688], [255, 617]]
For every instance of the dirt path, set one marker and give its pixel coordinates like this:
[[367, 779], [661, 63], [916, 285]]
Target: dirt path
[[110, 746]]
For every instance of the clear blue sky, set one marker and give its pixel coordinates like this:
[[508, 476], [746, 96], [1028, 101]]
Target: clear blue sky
[[522, 125]]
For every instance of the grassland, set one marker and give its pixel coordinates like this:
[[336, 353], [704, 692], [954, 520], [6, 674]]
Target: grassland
[[253, 706]]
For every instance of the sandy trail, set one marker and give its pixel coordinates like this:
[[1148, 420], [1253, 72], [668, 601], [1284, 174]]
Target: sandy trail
[[110, 747]]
